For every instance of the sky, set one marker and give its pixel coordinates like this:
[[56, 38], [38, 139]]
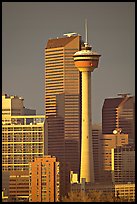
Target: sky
[[27, 26]]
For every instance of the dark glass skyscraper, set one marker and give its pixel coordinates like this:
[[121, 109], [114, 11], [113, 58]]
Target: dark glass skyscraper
[[119, 113]]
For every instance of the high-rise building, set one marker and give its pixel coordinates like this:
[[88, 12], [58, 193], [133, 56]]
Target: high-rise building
[[119, 113], [109, 141], [123, 164], [21, 141], [70, 146], [55, 127], [14, 105], [96, 138], [62, 96], [44, 180]]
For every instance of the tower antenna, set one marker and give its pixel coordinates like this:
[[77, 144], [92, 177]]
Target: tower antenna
[[86, 33]]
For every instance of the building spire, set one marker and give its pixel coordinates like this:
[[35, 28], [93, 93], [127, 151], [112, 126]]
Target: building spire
[[86, 33]]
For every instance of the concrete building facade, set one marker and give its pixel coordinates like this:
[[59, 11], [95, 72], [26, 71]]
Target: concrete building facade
[[14, 105], [21, 142]]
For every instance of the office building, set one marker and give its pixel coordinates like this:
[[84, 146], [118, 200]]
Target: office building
[[44, 180], [54, 137], [72, 146], [62, 95], [21, 141], [126, 191], [109, 141], [96, 138], [119, 113], [14, 105], [19, 186], [123, 164]]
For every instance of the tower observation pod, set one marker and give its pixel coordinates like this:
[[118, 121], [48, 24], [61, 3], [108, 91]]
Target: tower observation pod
[[86, 61]]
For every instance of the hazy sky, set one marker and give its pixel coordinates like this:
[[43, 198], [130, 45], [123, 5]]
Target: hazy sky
[[27, 26]]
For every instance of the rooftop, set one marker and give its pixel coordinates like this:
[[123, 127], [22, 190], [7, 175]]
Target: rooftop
[[59, 42]]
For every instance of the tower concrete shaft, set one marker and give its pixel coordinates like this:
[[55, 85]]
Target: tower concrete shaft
[[86, 170], [86, 61]]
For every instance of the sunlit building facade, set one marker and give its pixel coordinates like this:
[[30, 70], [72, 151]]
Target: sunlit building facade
[[126, 191], [44, 180], [62, 94], [22, 141], [14, 105], [109, 141], [123, 164]]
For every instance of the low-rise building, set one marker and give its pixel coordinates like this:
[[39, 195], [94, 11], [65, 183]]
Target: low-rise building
[[19, 186], [126, 191]]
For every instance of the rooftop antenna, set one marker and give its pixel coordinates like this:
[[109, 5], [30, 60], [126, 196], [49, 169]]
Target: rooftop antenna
[[86, 33]]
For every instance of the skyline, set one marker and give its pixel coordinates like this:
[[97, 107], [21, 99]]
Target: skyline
[[24, 38]]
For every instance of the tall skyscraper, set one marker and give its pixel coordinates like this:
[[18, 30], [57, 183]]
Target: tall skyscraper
[[119, 113], [62, 97], [54, 138], [96, 140]]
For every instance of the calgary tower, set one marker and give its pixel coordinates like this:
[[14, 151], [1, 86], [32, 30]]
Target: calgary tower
[[86, 61]]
